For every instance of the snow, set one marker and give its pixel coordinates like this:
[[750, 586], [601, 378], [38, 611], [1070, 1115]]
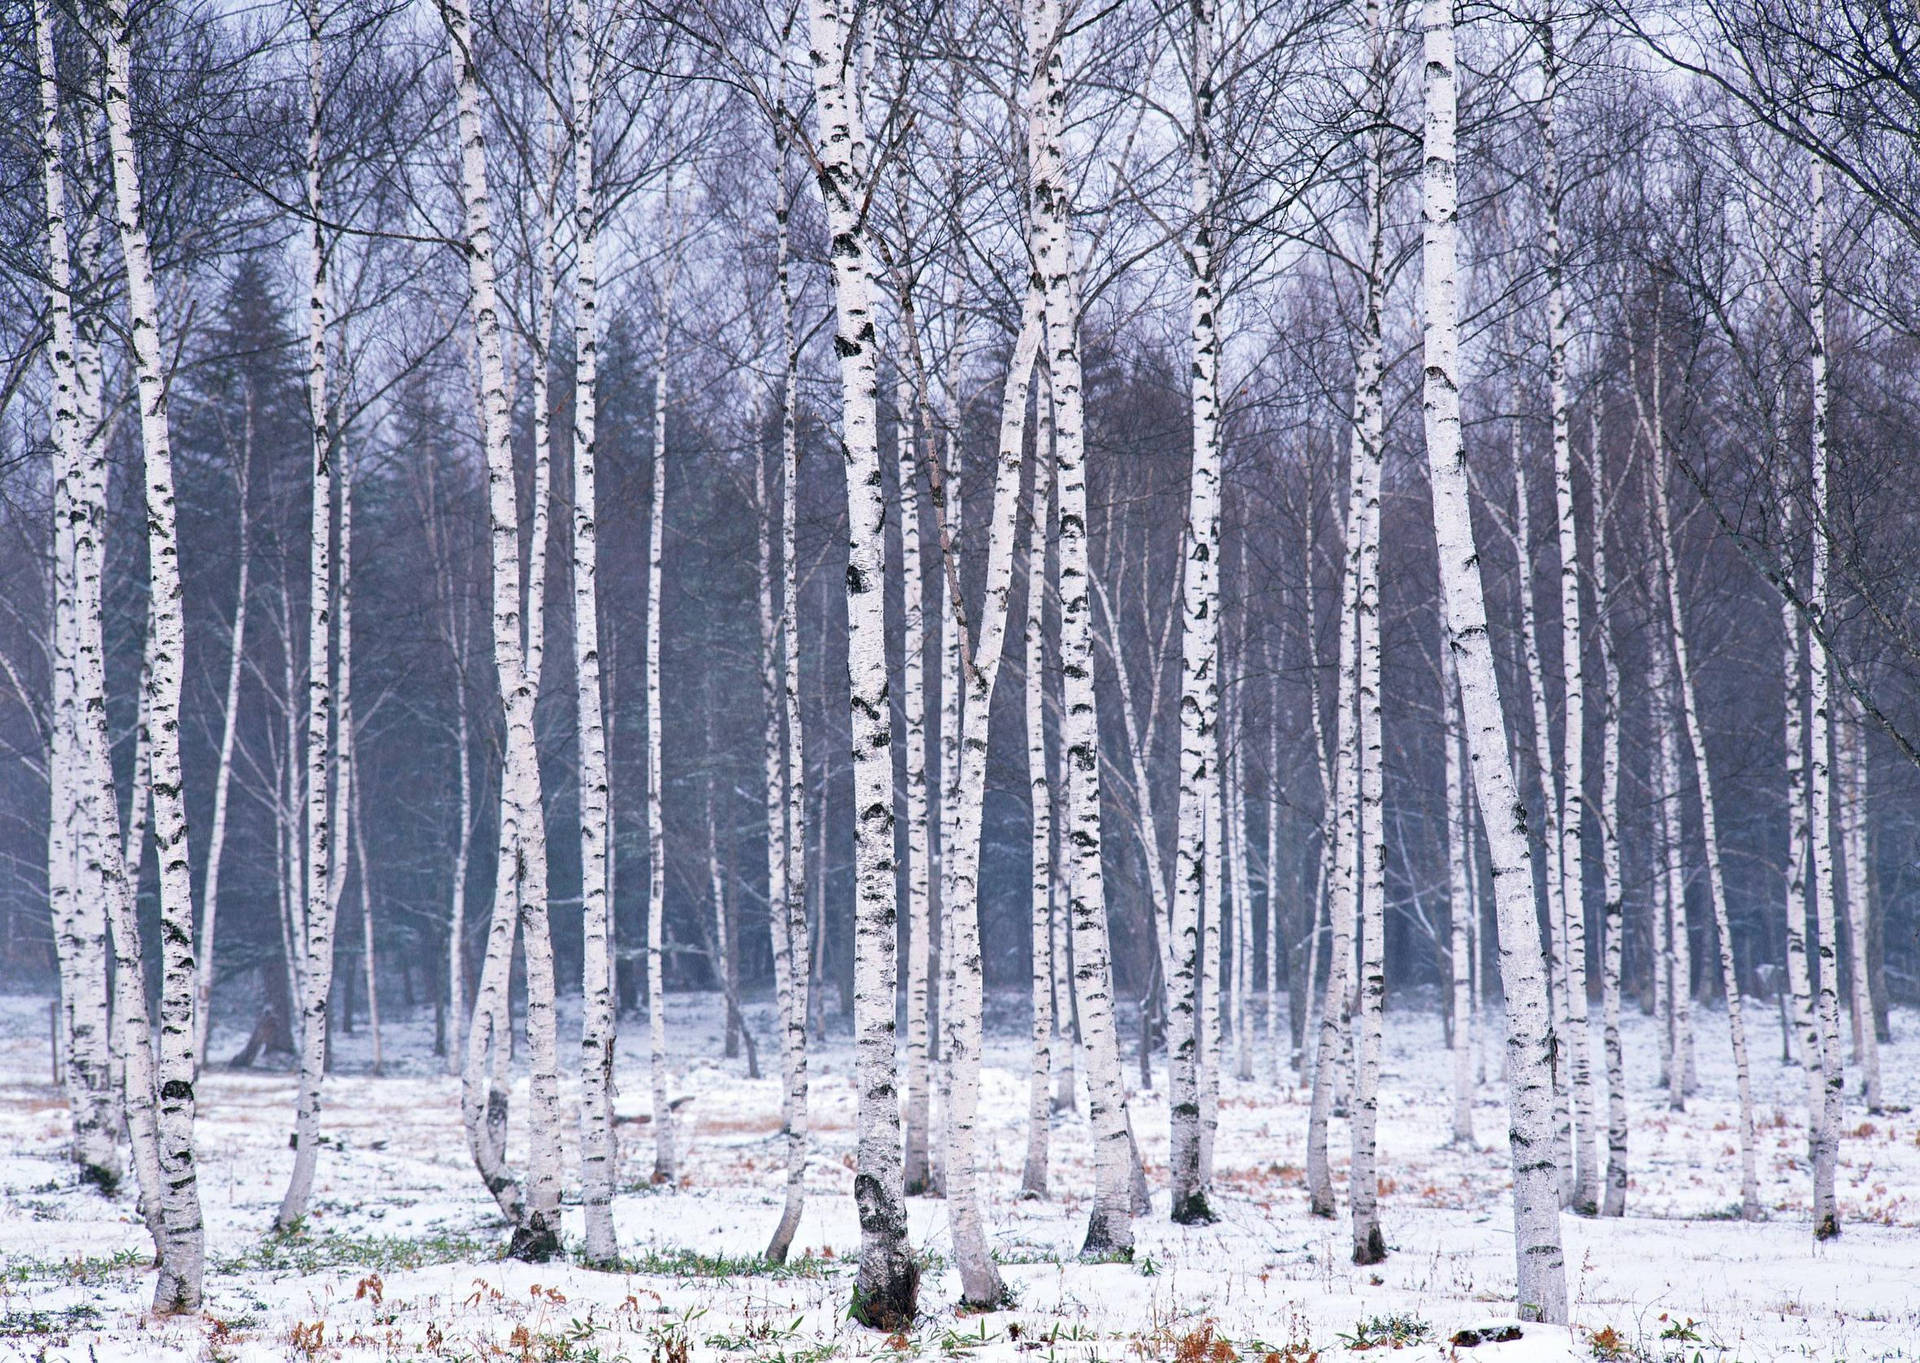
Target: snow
[[399, 1257]]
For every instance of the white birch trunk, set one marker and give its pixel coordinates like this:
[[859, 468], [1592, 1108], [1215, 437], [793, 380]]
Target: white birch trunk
[[666, 1167], [1199, 667], [1242, 903], [1369, 449], [1033, 1177], [520, 875], [182, 1248], [1826, 1146], [887, 1285], [1569, 863], [789, 912], [74, 882], [1545, 766], [1541, 1279], [536, 936], [1614, 927], [1459, 915], [1866, 1040], [918, 1174], [223, 773], [1110, 1221], [598, 1152], [1212, 902], [980, 1283], [320, 906], [1716, 881]]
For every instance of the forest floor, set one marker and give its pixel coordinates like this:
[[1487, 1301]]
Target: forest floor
[[400, 1257]]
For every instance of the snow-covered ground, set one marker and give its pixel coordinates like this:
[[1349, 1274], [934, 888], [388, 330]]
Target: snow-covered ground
[[400, 1259]]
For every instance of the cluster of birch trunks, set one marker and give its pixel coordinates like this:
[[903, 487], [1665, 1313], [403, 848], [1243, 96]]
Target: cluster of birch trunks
[[827, 111]]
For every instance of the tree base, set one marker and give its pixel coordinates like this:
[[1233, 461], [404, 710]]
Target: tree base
[[104, 1177], [1826, 1228], [534, 1243], [1370, 1248], [1103, 1243], [1193, 1210], [891, 1303]]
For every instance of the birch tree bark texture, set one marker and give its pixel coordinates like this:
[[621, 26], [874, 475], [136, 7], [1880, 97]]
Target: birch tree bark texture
[[1369, 450], [919, 1172], [75, 890], [1569, 863], [1541, 1278], [182, 1245], [598, 1016], [1199, 664], [980, 1283], [1613, 917], [1033, 1177], [886, 1288], [321, 905], [789, 915], [1110, 1220], [1716, 880], [520, 875], [1826, 1144], [666, 1168]]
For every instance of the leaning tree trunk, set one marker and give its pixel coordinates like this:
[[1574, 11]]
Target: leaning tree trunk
[[1110, 1220], [75, 886], [1716, 881], [520, 875], [886, 1289], [182, 1245], [1826, 1148], [1541, 1277], [980, 1283], [598, 1015]]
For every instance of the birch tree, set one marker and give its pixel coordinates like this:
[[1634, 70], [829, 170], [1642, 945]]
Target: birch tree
[[1568, 860], [520, 875], [1033, 1177], [182, 1246], [1541, 1280], [1716, 880], [919, 1172], [1369, 449], [1826, 1145], [887, 1286], [1613, 917], [791, 960], [666, 1168], [980, 1283], [321, 905], [1110, 1221], [598, 1016], [75, 889], [1199, 666]]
